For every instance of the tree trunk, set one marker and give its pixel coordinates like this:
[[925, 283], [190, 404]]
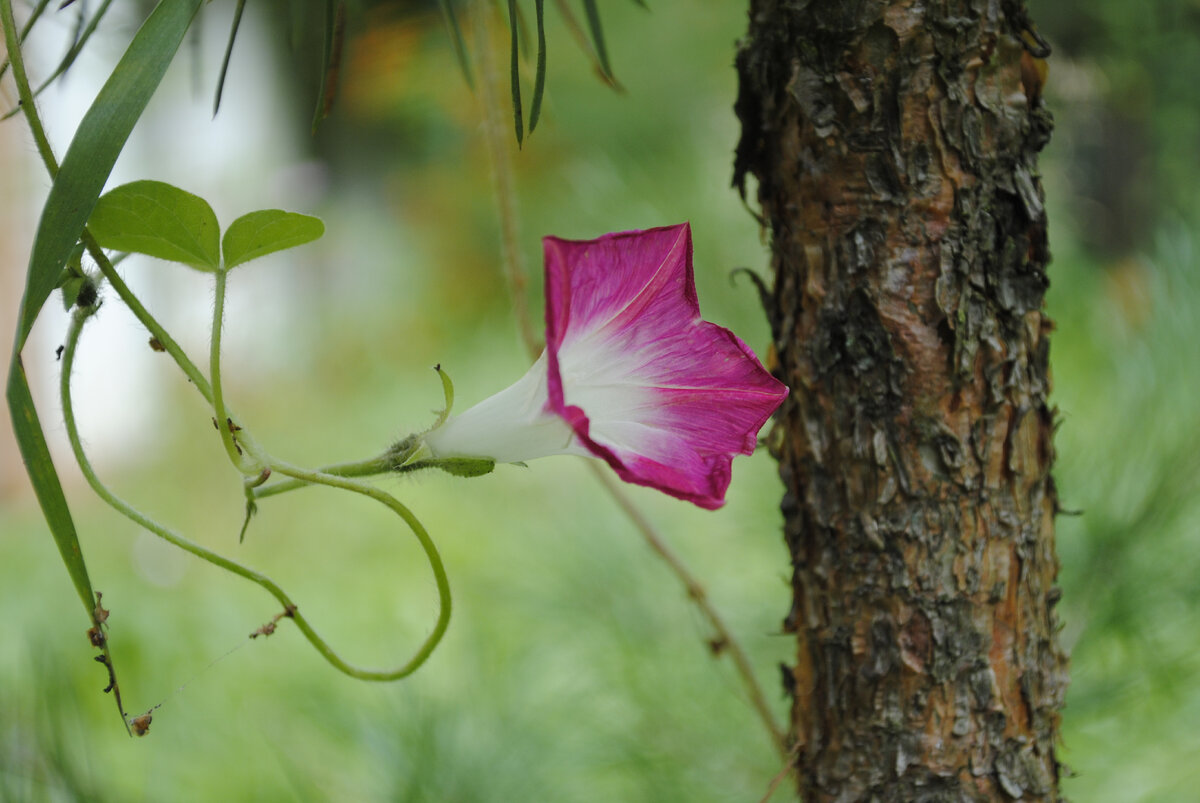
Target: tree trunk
[[895, 147]]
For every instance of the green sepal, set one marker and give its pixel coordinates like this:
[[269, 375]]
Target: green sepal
[[72, 279], [448, 393], [71, 287], [460, 466]]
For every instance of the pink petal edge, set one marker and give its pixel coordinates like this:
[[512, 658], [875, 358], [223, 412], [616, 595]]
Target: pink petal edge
[[743, 396]]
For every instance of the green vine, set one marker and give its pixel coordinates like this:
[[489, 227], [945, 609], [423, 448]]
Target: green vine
[[78, 318]]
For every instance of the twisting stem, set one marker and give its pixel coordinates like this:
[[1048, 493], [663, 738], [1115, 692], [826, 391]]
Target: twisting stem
[[78, 318], [507, 204], [431, 553], [498, 148]]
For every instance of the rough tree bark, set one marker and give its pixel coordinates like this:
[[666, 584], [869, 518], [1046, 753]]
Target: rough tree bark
[[895, 147]]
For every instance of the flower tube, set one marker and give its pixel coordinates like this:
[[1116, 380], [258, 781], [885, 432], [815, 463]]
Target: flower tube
[[631, 374]]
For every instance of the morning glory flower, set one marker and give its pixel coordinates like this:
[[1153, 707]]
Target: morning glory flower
[[631, 374]]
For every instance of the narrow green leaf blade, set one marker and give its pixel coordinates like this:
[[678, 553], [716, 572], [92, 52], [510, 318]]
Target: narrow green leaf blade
[[593, 18], [518, 124], [539, 82], [159, 220], [456, 40], [94, 150], [237, 22], [335, 33], [463, 466], [81, 40], [45, 480], [267, 231]]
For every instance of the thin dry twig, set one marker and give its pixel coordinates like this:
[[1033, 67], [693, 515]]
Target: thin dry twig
[[788, 766], [695, 591]]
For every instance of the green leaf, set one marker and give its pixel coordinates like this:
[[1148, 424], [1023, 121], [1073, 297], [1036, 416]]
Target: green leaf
[[237, 21], [159, 220], [593, 18], [97, 143], [456, 40], [578, 34], [518, 125], [539, 82], [45, 480], [83, 34], [265, 232]]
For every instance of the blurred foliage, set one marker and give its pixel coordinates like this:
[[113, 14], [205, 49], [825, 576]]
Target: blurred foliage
[[1127, 365], [574, 669], [1121, 178], [1124, 90]]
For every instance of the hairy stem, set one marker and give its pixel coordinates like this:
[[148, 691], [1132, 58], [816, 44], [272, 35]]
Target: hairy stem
[[225, 424], [29, 23], [362, 468], [156, 330], [24, 92]]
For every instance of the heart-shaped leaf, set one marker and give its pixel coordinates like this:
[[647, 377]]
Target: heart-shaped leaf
[[265, 232], [159, 220]]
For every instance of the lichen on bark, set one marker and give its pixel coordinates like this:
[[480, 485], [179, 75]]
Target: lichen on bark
[[895, 149]]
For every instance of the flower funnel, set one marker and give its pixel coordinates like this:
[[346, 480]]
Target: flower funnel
[[631, 374]]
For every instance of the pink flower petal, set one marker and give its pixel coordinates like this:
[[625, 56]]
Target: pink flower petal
[[666, 398]]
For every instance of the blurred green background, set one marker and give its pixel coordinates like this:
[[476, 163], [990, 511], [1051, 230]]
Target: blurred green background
[[575, 668]]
